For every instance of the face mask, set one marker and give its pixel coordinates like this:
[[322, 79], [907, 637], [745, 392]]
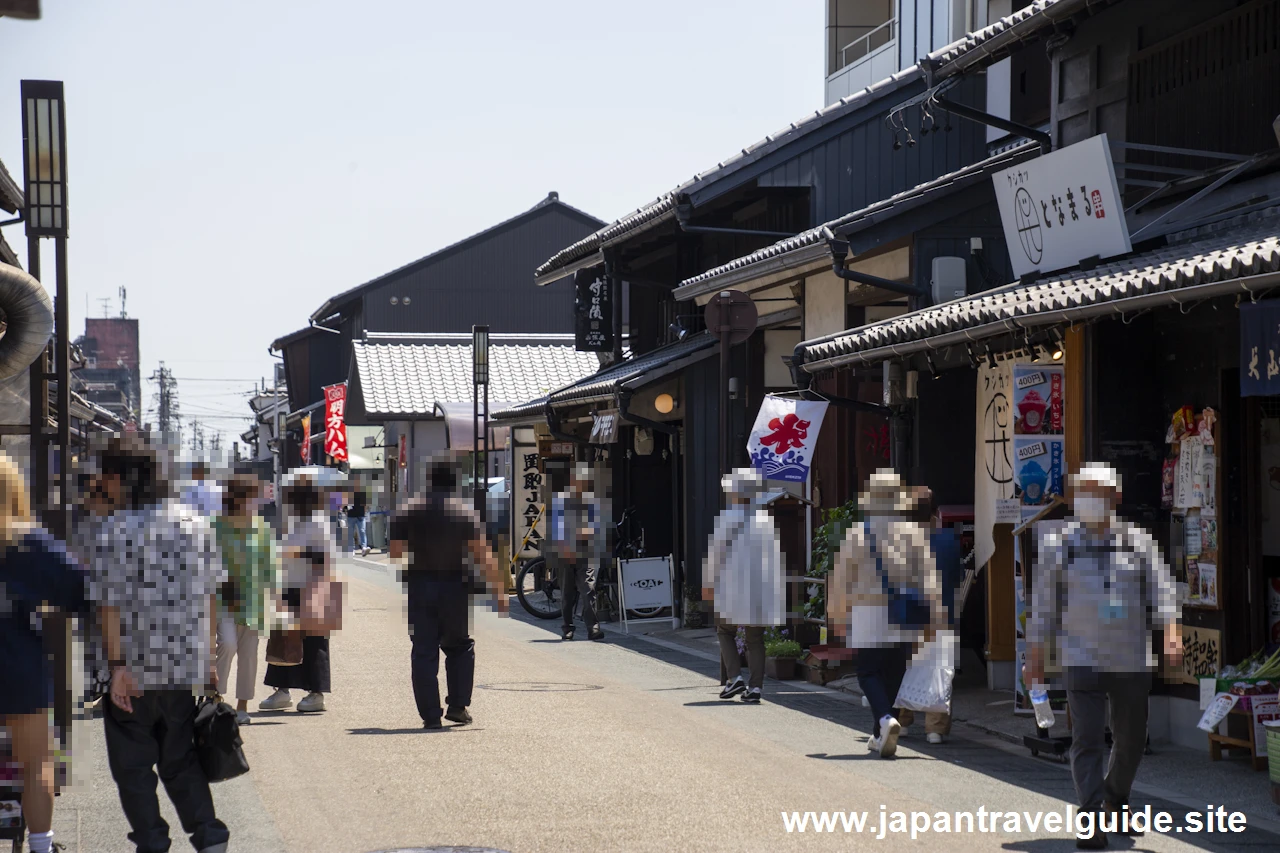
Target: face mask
[[1092, 509]]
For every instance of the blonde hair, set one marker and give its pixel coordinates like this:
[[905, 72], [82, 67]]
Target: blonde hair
[[15, 506]]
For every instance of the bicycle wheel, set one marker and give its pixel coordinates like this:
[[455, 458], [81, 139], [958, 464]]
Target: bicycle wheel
[[538, 589]]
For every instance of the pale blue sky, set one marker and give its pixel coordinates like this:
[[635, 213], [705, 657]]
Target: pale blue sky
[[234, 163]]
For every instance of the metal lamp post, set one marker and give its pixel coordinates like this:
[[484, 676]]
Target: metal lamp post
[[479, 378], [44, 160]]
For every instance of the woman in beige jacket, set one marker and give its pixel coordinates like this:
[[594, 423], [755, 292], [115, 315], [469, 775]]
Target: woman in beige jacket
[[884, 598]]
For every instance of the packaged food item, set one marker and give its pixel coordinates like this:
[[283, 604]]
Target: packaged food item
[[1167, 475], [1184, 423], [1204, 425], [1240, 688], [1217, 711]]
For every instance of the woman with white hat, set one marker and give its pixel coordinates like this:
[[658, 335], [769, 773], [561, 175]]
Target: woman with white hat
[[884, 597], [742, 576]]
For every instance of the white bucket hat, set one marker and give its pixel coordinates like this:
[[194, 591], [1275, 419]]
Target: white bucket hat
[[1096, 474], [743, 482]]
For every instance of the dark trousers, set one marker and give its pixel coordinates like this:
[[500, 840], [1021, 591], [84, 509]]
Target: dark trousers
[[160, 734], [312, 675], [1097, 776], [732, 661], [579, 580], [880, 672], [440, 620]]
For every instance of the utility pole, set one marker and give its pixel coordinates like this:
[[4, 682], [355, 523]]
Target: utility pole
[[166, 402]]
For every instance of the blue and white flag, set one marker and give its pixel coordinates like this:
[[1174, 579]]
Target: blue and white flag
[[784, 436]]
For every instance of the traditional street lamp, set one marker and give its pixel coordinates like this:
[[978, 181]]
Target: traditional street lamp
[[480, 377], [44, 160]]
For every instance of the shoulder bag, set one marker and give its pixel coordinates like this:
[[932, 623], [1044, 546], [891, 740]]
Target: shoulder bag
[[908, 606]]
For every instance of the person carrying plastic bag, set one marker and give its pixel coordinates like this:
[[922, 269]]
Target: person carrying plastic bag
[[883, 598]]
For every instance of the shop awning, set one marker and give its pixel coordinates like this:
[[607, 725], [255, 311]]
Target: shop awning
[[459, 421], [403, 377], [1240, 256], [808, 252], [634, 372]]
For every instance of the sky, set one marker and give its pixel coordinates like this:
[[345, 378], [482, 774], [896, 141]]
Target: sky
[[233, 164]]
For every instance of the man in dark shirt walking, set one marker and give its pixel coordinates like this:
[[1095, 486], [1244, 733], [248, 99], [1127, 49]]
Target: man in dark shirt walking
[[356, 519], [441, 538]]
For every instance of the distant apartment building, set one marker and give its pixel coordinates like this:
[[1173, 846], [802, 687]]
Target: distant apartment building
[[110, 376]]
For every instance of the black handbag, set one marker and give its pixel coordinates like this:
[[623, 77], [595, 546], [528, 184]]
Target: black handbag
[[218, 743]]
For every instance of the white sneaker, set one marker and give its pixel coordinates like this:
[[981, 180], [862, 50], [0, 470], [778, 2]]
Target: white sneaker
[[312, 702], [933, 737], [873, 744], [889, 731], [277, 701], [243, 718]]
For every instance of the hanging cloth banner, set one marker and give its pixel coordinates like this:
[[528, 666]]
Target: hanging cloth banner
[[784, 436], [993, 501], [1260, 348], [304, 449], [335, 421]]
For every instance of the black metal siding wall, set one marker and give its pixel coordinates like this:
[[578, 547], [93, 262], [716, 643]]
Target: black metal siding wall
[[489, 280], [701, 463], [860, 167]]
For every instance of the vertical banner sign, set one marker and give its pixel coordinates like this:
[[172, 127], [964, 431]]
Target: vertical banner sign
[[993, 468], [335, 421], [1260, 348], [784, 436], [1039, 447], [304, 449], [526, 498], [1061, 208], [592, 311]]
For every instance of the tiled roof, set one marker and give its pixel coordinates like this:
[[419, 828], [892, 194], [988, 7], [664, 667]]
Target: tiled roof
[[10, 193], [923, 194], [663, 208], [612, 377], [1218, 254], [987, 42], [334, 303], [410, 378]]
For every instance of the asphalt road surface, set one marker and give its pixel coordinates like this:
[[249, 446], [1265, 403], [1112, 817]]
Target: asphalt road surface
[[620, 745]]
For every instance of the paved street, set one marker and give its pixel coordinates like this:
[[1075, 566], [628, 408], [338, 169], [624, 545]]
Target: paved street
[[620, 745]]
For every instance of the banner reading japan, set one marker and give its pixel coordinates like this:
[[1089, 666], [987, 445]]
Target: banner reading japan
[[783, 438], [335, 421]]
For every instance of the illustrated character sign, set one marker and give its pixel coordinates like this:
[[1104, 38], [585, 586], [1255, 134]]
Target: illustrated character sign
[[1028, 221]]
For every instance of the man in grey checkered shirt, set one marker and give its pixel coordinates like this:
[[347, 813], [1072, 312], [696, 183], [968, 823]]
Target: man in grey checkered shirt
[[154, 573], [1100, 588]]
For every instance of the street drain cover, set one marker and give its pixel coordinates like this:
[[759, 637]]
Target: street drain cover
[[536, 687]]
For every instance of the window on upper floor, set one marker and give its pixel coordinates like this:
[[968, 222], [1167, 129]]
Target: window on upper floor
[[858, 28]]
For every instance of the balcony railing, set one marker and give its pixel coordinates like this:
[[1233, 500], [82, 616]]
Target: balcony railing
[[865, 44]]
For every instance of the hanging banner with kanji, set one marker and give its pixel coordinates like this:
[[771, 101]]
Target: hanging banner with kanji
[[335, 421], [784, 436], [1260, 348], [592, 311], [304, 448]]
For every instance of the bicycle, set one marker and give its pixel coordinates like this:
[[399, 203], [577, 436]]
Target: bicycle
[[624, 549], [537, 586]]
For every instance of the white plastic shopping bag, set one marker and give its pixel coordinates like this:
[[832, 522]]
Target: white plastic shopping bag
[[927, 684]]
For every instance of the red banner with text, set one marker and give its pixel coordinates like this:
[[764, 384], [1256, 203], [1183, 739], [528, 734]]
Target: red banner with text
[[335, 421]]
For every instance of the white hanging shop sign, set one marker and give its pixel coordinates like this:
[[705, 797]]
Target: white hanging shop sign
[[1062, 208]]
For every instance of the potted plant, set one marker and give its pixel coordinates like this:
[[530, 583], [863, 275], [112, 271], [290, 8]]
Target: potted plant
[[694, 617], [780, 654]]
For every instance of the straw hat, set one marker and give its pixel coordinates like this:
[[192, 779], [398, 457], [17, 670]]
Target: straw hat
[[743, 482], [886, 494]]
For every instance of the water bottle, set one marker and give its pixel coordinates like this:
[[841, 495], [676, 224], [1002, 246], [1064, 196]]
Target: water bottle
[[1040, 702]]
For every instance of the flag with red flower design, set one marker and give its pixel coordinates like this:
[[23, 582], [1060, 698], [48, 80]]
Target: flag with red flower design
[[783, 438]]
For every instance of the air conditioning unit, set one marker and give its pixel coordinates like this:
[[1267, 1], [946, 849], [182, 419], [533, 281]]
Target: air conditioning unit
[[949, 279]]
